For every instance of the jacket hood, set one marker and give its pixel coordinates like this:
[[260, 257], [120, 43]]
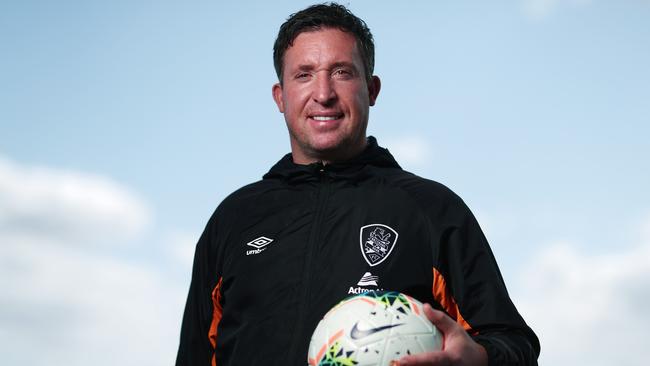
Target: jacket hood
[[373, 155]]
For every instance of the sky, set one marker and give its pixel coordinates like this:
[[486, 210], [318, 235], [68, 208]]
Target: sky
[[123, 124]]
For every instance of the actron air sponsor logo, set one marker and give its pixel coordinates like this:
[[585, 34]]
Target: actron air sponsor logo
[[367, 280], [360, 290], [260, 244]]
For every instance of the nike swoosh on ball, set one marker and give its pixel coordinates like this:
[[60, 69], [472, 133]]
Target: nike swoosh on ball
[[355, 333]]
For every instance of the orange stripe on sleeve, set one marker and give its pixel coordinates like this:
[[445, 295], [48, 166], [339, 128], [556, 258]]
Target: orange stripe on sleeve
[[216, 317], [442, 295]]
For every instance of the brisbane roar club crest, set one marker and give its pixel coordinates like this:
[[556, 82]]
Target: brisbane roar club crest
[[377, 241]]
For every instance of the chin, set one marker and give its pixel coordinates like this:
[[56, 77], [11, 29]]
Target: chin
[[332, 149], [328, 145]]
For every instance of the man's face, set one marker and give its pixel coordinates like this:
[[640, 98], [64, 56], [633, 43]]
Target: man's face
[[325, 96]]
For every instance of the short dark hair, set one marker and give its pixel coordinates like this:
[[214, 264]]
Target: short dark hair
[[320, 16]]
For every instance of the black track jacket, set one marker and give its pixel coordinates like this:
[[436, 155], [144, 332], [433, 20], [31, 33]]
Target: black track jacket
[[277, 254]]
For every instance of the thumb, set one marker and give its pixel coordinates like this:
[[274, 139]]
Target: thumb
[[440, 319]]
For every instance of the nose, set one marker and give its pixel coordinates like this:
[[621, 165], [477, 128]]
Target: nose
[[324, 92]]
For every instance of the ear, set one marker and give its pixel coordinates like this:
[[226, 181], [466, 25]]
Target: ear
[[277, 96], [373, 89]]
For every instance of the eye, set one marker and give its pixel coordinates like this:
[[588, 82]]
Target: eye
[[302, 76], [343, 73]]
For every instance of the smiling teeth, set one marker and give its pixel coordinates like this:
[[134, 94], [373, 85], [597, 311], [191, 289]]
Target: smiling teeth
[[323, 118]]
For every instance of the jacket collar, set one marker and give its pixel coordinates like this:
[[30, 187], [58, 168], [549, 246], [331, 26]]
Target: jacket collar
[[373, 155]]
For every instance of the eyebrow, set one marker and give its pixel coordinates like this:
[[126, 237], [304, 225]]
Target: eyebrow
[[305, 67], [309, 67], [344, 64]]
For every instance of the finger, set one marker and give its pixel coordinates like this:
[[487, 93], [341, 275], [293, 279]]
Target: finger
[[436, 358], [440, 319]]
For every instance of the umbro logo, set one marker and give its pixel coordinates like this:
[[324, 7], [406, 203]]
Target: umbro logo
[[260, 244]]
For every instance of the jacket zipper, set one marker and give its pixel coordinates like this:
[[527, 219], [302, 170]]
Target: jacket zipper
[[313, 244]]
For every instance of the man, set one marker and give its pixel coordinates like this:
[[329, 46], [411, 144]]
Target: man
[[278, 253]]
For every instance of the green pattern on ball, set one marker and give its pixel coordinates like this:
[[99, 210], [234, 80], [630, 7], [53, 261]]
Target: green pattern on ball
[[390, 298], [337, 356]]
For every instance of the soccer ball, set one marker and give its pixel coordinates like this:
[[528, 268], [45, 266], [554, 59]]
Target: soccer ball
[[373, 328]]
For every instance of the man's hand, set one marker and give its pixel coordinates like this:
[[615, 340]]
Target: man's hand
[[458, 347]]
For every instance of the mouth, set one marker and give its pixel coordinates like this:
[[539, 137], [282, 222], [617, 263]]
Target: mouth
[[326, 117]]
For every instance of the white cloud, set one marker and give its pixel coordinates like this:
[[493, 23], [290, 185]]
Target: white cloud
[[589, 309], [540, 9], [410, 150], [70, 205], [77, 308], [180, 247], [65, 302]]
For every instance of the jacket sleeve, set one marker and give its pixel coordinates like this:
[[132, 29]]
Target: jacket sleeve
[[198, 330], [509, 348], [475, 287]]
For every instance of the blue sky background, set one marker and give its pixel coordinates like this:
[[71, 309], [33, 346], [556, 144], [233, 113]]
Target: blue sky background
[[123, 124]]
